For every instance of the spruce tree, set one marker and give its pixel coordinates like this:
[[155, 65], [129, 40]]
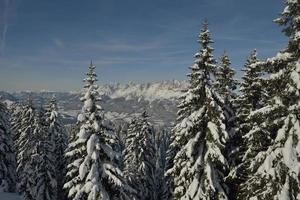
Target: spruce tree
[[162, 144], [7, 156], [139, 158], [25, 142], [226, 85], [200, 137], [57, 131], [251, 98], [44, 158], [27, 184], [225, 82], [92, 173], [275, 170], [16, 122]]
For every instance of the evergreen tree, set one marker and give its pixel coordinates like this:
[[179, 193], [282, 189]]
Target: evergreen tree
[[247, 143], [275, 171], [199, 165], [16, 122], [226, 84], [92, 173], [25, 141], [139, 158], [45, 185], [57, 132], [121, 133], [7, 156], [162, 144], [27, 184]]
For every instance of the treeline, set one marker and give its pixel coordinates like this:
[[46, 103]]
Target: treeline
[[225, 144]]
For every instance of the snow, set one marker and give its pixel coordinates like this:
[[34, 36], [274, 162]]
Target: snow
[[284, 194], [147, 91], [9, 196], [80, 117], [297, 35], [277, 75], [83, 169], [9, 103], [213, 130], [88, 104], [193, 190], [295, 75], [91, 144], [283, 56]]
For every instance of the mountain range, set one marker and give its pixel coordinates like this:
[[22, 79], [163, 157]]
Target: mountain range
[[120, 101]]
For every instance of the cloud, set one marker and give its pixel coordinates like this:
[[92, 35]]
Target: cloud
[[7, 9], [244, 39], [58, 43], [121, 46]]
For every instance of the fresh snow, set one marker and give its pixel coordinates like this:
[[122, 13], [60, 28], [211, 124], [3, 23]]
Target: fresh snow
[[147, 91]]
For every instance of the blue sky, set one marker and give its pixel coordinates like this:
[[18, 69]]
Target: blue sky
[[48, 44]]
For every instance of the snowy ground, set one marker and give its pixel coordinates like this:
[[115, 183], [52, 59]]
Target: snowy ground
[[9, 196]]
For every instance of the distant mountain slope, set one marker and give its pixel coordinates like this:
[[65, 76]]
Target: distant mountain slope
[[148, 91], [121, 101]]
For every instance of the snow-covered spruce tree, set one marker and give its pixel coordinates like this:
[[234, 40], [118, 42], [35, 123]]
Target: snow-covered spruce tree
[[7, 156], [139, 158], [24, 144], [27, 189], [276, 170], [16, 122], [170, 155], [43, 160], [247, 143], [92, 173], [162, 144], [57, 131], [200, 136], [121, 133], [226, 84]]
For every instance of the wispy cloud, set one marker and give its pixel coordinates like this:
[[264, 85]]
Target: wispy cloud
[[58, 42], [244, 39], [7, 9], [120, 46]]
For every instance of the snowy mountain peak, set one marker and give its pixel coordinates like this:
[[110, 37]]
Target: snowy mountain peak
[[147, 91]]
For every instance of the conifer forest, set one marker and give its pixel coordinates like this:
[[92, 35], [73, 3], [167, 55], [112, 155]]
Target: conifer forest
[[234, 135]]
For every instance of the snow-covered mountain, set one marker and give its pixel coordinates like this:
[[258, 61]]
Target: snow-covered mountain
[[121, 101], [150, 91]]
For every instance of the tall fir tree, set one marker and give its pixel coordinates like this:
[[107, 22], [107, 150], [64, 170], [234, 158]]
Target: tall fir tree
[[92, 173], [56, 130], [44, 158], [162, 144], [226, 85], [7, 155], [225, 82], [25, 141], [199, 166], [16, 121], [276, 169], [139, 158], [247, 143]]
